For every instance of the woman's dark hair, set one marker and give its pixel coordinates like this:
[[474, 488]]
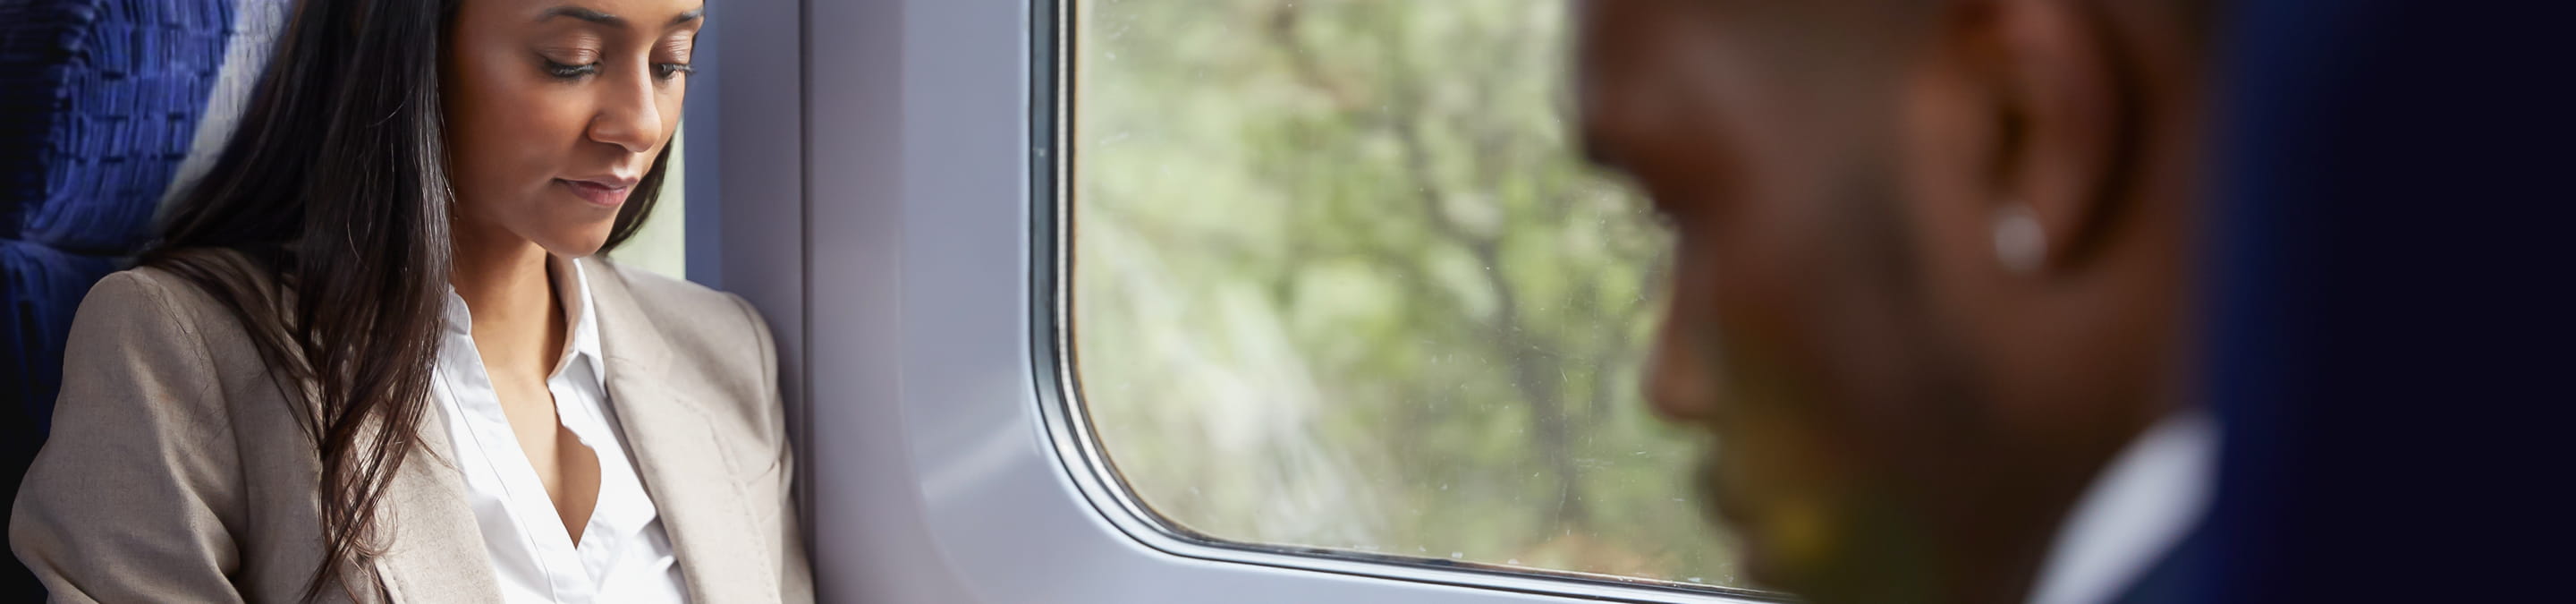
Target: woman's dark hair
[[323, 227]]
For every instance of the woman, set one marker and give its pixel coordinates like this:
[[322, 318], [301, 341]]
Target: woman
[[369, 358]]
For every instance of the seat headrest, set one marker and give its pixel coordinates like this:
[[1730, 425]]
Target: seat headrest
[[102, 101]]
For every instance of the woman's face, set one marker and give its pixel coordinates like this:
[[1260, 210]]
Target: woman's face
[[556, 108]]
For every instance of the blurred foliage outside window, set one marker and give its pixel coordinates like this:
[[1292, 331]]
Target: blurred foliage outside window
[[1342, 281], [661, 244]]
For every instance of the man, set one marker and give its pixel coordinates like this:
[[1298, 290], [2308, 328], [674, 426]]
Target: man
[[1931, 290]]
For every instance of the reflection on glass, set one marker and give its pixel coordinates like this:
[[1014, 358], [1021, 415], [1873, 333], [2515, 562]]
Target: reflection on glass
[[1340, 281]]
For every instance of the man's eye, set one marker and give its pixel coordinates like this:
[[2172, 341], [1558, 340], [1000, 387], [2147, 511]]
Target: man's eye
[[668, 70]]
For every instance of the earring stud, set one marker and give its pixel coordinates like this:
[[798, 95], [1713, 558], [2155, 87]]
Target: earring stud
[[2020, 243]]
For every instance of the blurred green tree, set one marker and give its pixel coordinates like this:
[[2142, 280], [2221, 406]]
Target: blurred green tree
[[1342, 281]]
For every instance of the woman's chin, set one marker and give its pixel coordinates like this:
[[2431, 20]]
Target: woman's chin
[[582, 244]]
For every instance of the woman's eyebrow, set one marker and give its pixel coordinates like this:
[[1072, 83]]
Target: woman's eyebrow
[[582, 14], [608, 19]]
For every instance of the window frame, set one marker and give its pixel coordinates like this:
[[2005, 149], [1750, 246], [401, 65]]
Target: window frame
[[878, 178], [1054, 32]]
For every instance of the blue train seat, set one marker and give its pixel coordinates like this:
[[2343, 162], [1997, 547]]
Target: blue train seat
[[103, 103]]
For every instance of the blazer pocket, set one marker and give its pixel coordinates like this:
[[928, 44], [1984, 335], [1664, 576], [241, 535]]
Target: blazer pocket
[[763, 492], [764, 478]]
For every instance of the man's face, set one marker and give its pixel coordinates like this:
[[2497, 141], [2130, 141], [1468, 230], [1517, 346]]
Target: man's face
[[1903, 401], [1795, 334]]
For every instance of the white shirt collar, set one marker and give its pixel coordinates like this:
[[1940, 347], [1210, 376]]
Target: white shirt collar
[[572, 287], [2140, 507], [575, 292]]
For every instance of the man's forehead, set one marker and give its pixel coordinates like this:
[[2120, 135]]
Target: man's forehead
[[1627, 40], [1639, 47], [1779, 28], [1658, 39], [1636, 57], [1745, 51]]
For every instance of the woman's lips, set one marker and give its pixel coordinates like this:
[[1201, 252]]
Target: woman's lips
[[602, 194]]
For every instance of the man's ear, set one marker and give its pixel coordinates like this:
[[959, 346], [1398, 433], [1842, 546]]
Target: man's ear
[[2061, 127]]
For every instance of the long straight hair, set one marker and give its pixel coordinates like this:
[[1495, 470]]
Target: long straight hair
[[323, 227]]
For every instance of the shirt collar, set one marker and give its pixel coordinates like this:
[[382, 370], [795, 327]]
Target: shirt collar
[[2142, 505], [572, 286]]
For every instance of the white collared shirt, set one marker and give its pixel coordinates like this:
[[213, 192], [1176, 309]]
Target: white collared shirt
[[624, 555], [2142, 505]]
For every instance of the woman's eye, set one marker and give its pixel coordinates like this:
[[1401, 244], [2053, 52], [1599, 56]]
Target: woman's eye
[[668, 70], [569, 72]]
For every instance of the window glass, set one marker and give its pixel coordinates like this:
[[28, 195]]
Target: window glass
[[661, 244], [1342, 282]]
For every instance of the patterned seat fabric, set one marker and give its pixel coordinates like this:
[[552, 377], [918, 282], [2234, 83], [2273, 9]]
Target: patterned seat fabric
[[101, 102]]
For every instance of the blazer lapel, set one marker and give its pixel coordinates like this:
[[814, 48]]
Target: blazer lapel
[[678, 456], [436, 553]]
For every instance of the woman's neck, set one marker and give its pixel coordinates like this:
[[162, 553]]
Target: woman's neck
[[507, 288]]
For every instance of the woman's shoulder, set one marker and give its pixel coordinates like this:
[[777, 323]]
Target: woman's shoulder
[[661, 293], [161, 292], [156, 321], [143, 292], [146, 295], [690, 316], [714, 339], [668, 299]]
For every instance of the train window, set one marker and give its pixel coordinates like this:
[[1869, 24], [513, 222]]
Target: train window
[[1341, 285], [661, 244]]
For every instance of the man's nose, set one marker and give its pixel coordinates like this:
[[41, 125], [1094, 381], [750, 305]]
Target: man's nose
[[1679, 381]]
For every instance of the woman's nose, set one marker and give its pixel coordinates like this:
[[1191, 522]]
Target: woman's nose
[[630, 112]]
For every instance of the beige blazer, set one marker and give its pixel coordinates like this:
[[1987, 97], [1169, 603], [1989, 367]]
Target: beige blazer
[[177, 472]]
